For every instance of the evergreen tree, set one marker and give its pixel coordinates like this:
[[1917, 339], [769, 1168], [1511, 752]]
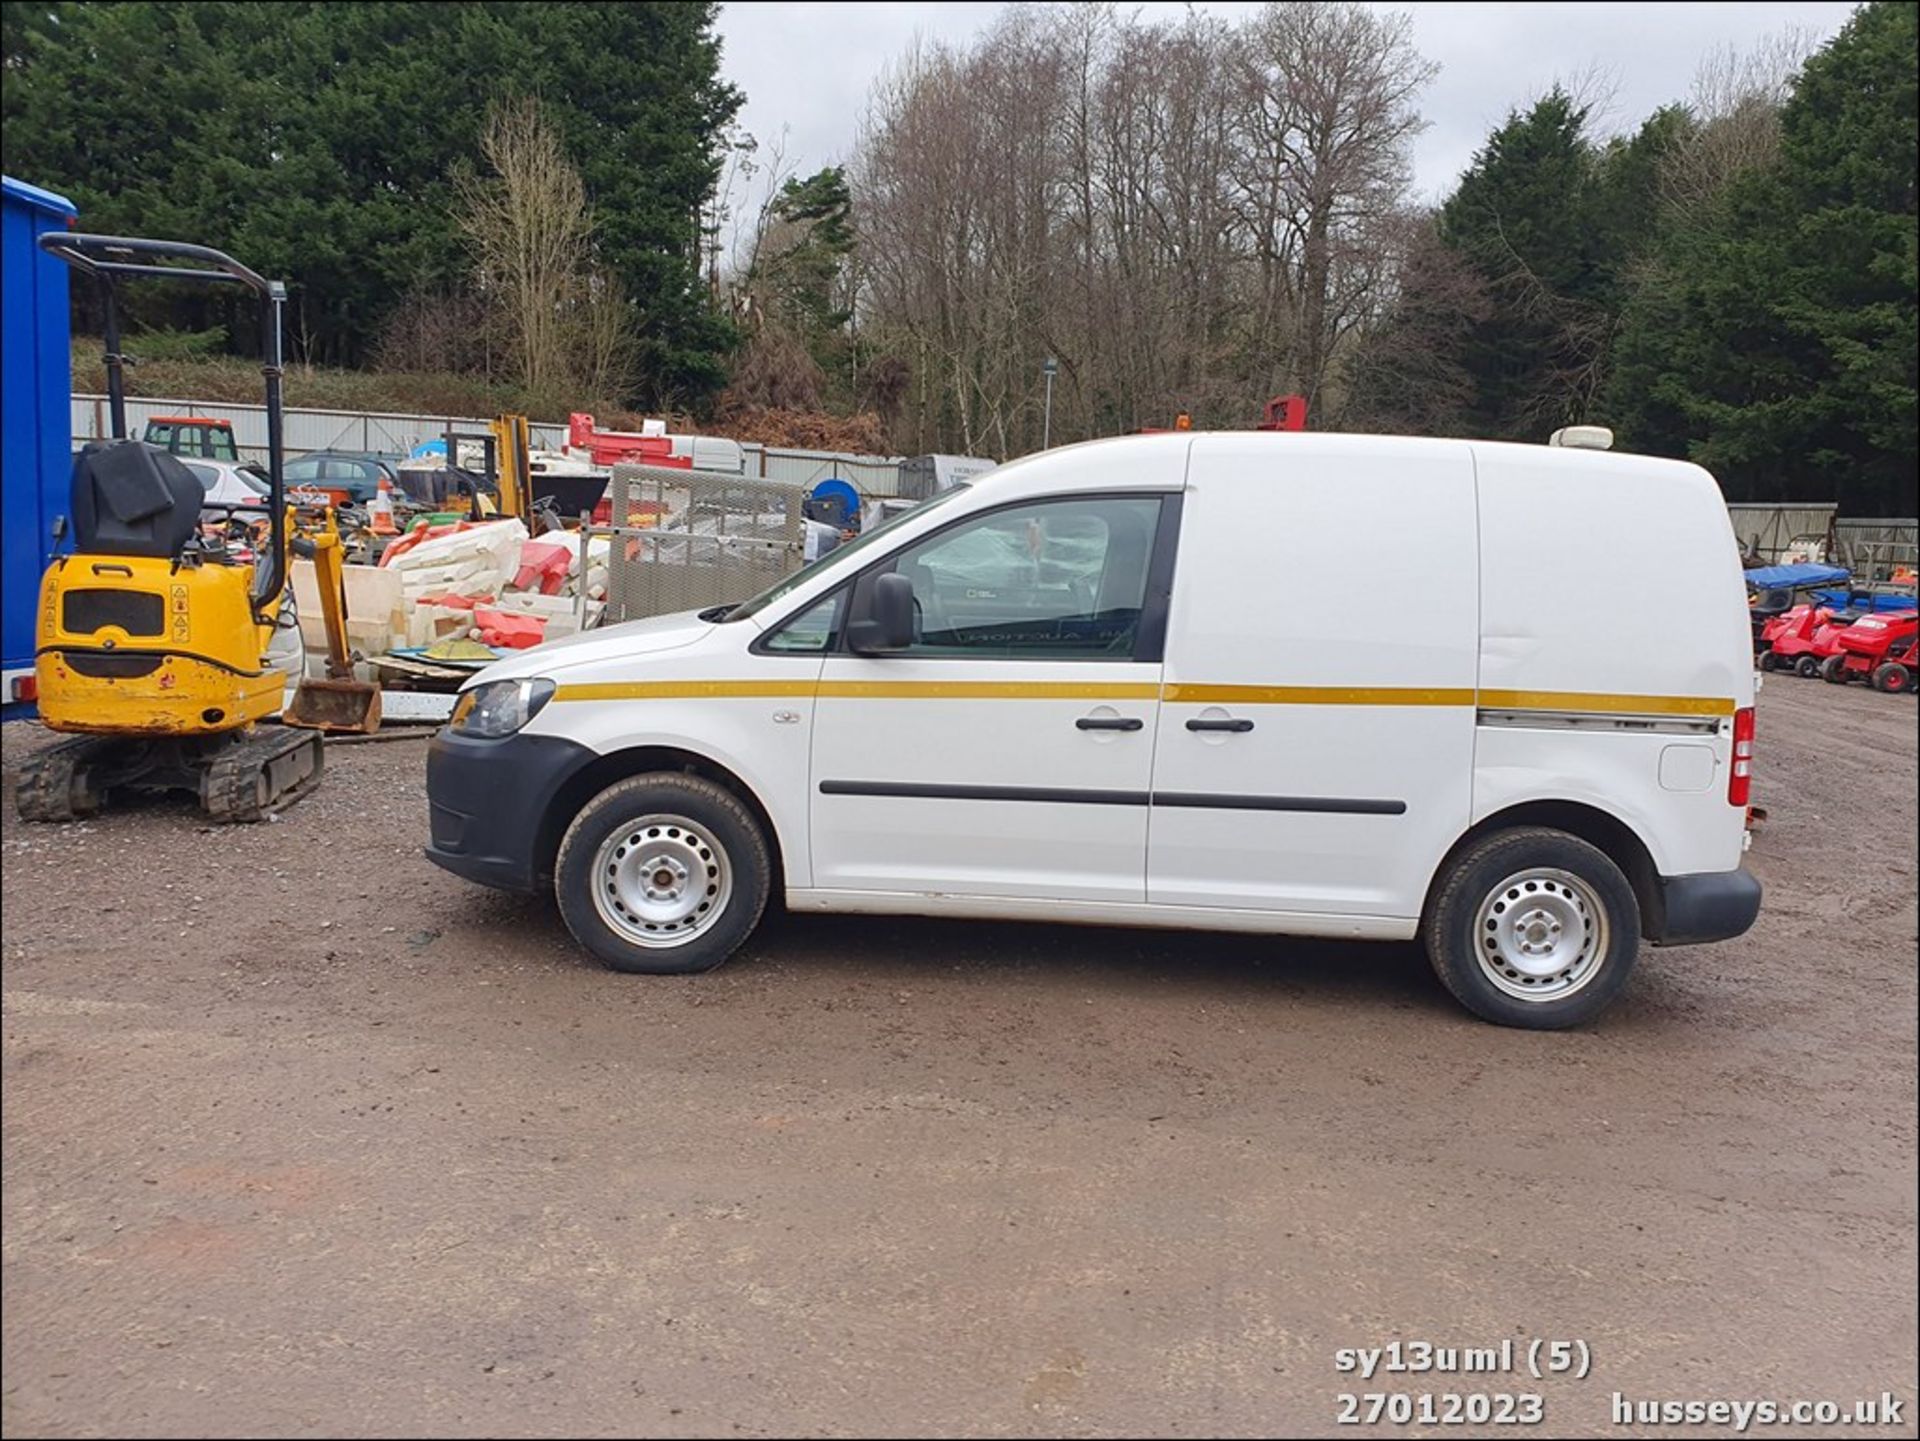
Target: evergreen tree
[[320, 142], [1777, 344], [800, 279], [1524, 219]]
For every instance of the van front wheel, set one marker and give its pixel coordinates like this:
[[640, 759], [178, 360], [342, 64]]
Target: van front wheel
[[663, 874], [1533, 927]]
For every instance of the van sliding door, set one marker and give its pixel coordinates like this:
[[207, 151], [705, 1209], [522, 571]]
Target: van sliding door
[[1317, 723]]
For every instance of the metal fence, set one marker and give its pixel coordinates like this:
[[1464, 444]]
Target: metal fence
[[700, 539], [305, 429], [1873, 549], [1770, 531], [873, 475]]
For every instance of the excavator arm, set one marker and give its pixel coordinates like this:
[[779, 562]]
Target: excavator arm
[[511, 444], [338, 703]]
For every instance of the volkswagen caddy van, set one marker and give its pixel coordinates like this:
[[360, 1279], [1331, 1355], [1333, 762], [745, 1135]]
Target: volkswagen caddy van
[[1290, 683]]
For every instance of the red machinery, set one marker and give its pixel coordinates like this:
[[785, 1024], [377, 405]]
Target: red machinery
[[587, 442], [1899, 670], [1869, 646], [1789, 637], [616, 447], [1284, 412]]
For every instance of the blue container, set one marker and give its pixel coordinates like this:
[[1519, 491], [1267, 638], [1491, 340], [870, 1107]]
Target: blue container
[[838, 503], [36, 421]]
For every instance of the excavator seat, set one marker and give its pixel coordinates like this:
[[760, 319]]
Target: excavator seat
[[131, 498]]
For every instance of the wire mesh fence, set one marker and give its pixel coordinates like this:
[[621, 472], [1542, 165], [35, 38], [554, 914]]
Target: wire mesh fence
[[688, 539]]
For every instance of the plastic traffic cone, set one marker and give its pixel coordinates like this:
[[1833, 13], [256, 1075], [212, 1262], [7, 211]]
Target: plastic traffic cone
[[380, 509]]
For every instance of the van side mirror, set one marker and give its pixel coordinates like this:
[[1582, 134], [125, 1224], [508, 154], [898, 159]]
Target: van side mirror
[[881, 618]]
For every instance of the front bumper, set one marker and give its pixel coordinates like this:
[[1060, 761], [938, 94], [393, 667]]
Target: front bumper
[[487, 800], [1713, 907]]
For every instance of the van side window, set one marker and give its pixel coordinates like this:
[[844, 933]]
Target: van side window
[[810, 632], [1058, 579]]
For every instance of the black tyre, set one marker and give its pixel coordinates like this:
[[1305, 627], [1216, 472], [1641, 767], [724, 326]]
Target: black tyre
[[1892, 677], [1808, 666], [1533, 927], [664, 875], [1769, 661], [1833, 670]]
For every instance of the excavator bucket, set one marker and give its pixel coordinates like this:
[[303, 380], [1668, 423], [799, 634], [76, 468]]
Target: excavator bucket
[[350, 707], [339, 703]]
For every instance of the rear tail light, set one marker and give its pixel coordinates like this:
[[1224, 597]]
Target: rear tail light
[[26, 689], [1740, 779]]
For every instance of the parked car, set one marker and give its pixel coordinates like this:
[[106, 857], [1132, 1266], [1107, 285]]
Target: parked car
[[1078, 690], [237, 515], [229, 483], [355, 476]]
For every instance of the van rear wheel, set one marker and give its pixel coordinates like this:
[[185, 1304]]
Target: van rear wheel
[[1533, 927], [663, 874]]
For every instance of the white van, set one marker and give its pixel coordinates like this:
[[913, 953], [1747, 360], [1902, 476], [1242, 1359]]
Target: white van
[[1303, 684]]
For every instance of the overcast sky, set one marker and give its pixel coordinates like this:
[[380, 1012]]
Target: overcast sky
[[806, 68]]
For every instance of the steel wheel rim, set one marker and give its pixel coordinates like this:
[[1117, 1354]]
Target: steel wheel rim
[[1541, 934], [661, 881]]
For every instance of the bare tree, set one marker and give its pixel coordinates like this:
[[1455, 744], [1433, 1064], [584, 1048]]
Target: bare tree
[[749, 240], [1735, 107], [1186, 214], [1329, 121], [563, 318], [1407, 373], [602, 337], [435, 329]]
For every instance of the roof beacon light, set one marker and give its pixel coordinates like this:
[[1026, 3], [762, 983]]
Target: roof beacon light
[[1582, 437]]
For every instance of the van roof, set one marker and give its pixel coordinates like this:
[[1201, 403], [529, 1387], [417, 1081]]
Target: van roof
[[1017, 474]]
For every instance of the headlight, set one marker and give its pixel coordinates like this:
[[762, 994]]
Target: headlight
[[500, 707]]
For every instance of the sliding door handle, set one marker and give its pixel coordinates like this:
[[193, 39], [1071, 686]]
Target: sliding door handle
[[1110, 723], [1238, 727]]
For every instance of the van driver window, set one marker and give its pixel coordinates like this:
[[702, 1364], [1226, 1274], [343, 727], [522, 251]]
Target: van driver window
[[1059, 579]]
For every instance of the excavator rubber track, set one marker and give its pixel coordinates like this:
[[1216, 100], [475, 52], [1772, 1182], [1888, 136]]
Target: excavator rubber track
[[261, 774], [235, 778], [55, 784]]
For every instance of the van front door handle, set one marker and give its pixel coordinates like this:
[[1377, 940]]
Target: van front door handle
[[1110, 723], [1238, 727]]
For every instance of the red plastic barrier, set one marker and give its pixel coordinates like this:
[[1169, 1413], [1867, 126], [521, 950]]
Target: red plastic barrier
[[423, 531], [510, 630], [543, 567], [454, 601]]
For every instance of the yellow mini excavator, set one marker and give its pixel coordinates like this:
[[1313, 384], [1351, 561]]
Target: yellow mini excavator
[[153, 634]]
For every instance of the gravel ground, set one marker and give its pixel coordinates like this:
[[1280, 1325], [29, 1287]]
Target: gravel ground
[[303, 1136]]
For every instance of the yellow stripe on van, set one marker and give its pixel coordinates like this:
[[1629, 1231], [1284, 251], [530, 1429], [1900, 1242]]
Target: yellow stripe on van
[[986, 690], [683, 689], [859, 689], [1509, 700], [1315, 695], [1560, 700]]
